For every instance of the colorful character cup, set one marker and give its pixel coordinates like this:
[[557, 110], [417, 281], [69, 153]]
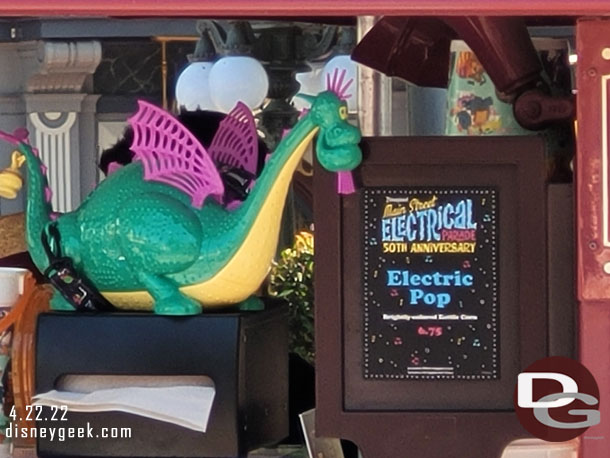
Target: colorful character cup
[[473, 107]]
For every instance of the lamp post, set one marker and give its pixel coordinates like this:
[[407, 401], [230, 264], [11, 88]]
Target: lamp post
[[286, 51], [277, 47]]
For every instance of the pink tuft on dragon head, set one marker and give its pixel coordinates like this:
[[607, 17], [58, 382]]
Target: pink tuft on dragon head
[[336, 85]]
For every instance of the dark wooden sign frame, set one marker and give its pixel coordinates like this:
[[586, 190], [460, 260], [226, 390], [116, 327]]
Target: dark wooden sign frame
[[431, 418]]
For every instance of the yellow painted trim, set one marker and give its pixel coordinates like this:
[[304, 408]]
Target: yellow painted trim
[[247, 269]]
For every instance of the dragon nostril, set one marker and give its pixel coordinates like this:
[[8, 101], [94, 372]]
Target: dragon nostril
[[341, 135], [336, 136]]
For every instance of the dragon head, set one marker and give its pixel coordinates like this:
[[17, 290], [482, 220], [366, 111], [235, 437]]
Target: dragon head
[[337, 145]]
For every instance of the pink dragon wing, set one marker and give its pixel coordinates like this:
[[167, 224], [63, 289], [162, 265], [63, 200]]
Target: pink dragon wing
[[172, 155], [236, 143]]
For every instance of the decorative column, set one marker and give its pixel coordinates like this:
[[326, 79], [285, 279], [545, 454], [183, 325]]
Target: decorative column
[[61, 115], [52, 138]]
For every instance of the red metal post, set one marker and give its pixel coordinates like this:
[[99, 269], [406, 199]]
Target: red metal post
[[593, 218]]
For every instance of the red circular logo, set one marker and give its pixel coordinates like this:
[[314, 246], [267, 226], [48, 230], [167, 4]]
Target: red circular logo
[[557, 399]]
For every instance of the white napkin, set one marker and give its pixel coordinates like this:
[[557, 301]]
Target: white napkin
[[186, 404]]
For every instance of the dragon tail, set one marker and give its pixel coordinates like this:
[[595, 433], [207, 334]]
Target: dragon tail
[[38, 208]]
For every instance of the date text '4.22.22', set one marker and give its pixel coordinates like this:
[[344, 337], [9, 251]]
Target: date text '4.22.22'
[[37, 413]]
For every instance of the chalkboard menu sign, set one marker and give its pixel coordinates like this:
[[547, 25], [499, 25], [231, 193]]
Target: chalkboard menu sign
[[430, 283], [431, 293]]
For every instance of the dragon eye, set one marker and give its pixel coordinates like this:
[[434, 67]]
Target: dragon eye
[[343, 112]]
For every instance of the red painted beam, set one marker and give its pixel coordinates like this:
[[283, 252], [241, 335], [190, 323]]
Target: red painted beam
[[593, 218], [266, 8]]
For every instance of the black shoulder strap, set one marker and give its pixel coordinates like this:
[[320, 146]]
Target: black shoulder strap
[[74, 287]]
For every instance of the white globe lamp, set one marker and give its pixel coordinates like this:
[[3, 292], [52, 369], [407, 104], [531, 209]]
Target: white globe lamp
[[193, 88], [238, 78]]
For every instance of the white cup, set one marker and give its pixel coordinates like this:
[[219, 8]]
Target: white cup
[[11, 285]]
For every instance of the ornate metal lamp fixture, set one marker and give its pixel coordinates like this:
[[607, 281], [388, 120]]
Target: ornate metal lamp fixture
[[257, 64], [218, 83]]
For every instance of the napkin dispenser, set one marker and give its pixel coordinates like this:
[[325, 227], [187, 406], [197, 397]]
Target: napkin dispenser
[[244, 353]]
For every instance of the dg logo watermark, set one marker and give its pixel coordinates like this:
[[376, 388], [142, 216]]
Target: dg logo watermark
[[557, 399]]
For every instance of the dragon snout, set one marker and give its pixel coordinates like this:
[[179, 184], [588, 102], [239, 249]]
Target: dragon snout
[[341, 134], [338, 149]]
